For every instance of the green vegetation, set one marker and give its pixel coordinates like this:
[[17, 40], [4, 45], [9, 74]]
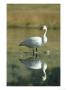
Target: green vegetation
[[38, 14]]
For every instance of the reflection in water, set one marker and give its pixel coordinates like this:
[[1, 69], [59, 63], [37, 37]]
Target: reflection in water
[[38, 66], [35, 79], [53, 77], [22, 75]]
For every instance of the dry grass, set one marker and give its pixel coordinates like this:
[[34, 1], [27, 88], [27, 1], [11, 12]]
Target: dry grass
[[34, 14]]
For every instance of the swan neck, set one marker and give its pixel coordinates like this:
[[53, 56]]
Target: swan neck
[[44, 67], [45, 32], [44, 35]]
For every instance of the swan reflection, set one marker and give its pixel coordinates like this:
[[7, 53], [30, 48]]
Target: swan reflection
[[35, 64]]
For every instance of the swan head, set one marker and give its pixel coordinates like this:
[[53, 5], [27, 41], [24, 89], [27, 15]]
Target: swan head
[[44, 77], [45, 27], [44, 71]]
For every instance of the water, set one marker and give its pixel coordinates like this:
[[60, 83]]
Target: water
[[17, 73]]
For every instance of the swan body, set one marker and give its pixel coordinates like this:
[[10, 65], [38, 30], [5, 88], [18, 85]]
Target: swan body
[[34, 42]]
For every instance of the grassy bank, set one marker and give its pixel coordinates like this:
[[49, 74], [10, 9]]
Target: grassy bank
[[38, 14]]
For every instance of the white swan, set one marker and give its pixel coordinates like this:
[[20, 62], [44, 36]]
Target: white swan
[[36, 64], [35, 42]]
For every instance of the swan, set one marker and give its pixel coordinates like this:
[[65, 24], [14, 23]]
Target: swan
[[35, 42], [36, 65]]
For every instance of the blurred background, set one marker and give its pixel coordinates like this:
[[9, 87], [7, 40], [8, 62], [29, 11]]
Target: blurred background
[[23, 21]]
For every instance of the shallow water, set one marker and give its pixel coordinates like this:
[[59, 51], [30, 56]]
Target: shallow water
[[17, 73]]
